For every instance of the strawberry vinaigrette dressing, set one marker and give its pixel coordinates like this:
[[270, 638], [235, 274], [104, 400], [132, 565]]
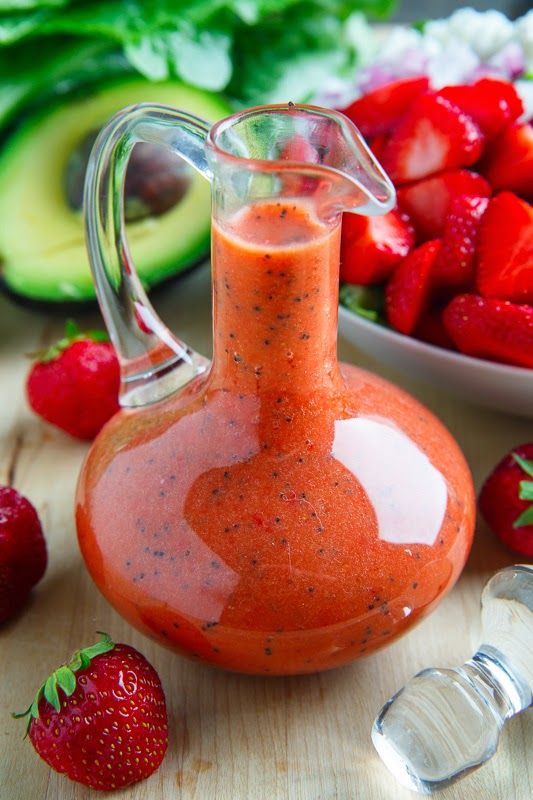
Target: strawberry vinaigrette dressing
[[282, 514]]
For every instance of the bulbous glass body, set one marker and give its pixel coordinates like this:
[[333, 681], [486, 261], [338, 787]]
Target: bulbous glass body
[[280, 514]]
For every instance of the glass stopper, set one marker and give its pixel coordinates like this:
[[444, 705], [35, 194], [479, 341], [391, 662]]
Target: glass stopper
[[445, 723]]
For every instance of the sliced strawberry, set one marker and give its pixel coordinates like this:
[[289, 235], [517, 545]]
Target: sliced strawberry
[[492, 329], [434, 135], [427, 202], [372, 246], [454, 266], [490, 102], [298, 148], [508, 163], [377, 145], [407, 291], [505, 250], [431, 329], [379, 111]]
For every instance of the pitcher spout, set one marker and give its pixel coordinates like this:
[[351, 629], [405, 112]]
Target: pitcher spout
[[363, 186], [306, 151]]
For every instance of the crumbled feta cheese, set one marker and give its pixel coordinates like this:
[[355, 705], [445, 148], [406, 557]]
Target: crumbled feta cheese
[[485, 32], [451, 64], [398, 42], [509, 62], [462, 48], [361, 35]]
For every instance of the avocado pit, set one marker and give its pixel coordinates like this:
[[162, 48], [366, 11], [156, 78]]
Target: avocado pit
[[156, 179]]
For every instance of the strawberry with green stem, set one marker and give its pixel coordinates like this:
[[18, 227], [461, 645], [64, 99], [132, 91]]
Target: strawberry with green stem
[[75, 383], [506, 500], [101, 719], [525, 492]]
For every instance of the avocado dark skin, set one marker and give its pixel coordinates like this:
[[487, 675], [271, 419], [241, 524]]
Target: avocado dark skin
[[65, 308]]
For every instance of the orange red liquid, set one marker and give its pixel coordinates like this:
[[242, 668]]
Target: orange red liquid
[[280, 515]]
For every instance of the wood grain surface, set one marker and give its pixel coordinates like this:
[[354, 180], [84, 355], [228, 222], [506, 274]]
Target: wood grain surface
[[232, 737]]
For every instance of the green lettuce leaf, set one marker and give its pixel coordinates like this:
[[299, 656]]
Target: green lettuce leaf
[[288, 56], [161, 39], [66, 64], [178, 31], [366, 301], [24, 5], [15, 27], [255, 50]]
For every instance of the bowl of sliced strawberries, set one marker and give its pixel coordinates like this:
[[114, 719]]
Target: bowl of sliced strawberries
[[442, 286]]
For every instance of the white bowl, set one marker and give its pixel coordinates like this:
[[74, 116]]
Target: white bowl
[[486, 383]]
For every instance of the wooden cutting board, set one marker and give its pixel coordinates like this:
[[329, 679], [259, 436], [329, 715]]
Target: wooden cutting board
[[232, 737]]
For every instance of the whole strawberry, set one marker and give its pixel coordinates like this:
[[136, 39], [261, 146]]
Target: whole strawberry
[[75, 383], [22, 551], [506, 500], [101, 719]]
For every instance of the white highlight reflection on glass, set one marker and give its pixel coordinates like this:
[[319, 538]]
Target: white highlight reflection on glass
[[408, 493]]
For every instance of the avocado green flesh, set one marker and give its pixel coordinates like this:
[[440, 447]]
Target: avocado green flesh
[[42, 244]]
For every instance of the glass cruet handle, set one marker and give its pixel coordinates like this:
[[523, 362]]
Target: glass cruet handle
[[153, 361], [446, 722]]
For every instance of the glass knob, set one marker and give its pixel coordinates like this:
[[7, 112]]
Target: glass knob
[[445, 723]]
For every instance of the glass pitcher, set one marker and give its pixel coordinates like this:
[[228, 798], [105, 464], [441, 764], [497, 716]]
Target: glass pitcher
[[273, 511]]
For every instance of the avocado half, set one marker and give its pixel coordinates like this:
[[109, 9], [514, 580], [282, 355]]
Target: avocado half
[[42, 242]]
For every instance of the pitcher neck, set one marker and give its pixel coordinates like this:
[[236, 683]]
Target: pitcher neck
[[275, 301]]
